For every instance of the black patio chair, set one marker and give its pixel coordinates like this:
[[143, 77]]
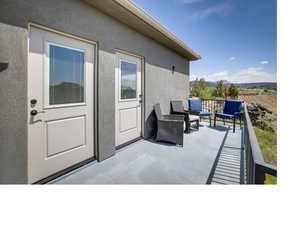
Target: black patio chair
[[178, 108], [169, 127]]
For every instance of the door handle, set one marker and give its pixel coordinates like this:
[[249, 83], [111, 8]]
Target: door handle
[[35, 112]]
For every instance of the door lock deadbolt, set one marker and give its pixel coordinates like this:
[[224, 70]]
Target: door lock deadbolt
[[33, 101]]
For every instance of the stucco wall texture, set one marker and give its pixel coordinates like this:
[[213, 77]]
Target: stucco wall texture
[[77, 18], [13, 101]]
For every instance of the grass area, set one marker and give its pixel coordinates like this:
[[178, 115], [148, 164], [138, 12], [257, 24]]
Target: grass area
[[268, 143], [270, 179]]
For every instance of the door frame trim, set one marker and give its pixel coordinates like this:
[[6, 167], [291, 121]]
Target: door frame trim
[[142, 58], [97, 150], [57, 31]]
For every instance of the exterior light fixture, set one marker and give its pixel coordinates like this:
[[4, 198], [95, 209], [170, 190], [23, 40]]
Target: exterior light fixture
[[173, 69], [3, 66]]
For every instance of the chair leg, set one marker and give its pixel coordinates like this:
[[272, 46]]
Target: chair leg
[[187, 124], [210, 121], [240, 122], [215, 121], [179, 142], [233, 125], [188, 127]]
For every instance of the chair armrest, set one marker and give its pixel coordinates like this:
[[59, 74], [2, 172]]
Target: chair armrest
[[169, 121], [179, 113], [194, 112], [237, 114], [173, 117]]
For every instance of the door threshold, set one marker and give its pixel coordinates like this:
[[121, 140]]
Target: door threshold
[[65, 171], [128, 143]]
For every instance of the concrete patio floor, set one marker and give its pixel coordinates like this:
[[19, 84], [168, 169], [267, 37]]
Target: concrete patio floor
[[149, 162]]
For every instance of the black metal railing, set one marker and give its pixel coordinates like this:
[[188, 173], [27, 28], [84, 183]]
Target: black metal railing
[[212, 105], [256, 167]]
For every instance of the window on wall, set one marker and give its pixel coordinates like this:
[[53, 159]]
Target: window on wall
[[128, 80], [66, 75]]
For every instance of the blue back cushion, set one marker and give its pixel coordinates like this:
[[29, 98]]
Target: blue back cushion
[[232, 106], [195, 104]]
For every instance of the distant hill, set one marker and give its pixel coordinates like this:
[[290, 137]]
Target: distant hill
[[260, 84], [242, 85]]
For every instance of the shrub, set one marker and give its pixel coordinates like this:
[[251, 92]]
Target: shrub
[[233, 91], [220, 90]]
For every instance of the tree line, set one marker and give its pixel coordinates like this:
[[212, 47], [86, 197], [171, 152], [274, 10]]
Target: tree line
[[201, 90]]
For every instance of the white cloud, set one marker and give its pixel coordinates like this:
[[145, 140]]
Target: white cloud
[[220, 10], [264, 62], [193, 77], [212, 77], [248, 75], [232, 58]]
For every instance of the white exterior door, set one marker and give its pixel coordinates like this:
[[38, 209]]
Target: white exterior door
[[60, 103], [128, 98]]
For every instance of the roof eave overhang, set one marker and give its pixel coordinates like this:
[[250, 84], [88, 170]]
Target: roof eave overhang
[[139, 20]]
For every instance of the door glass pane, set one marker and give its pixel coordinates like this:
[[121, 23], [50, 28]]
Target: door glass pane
[[128, 80], [66, 75]]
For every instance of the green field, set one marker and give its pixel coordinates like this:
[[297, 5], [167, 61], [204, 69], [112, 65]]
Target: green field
[[268, 143]]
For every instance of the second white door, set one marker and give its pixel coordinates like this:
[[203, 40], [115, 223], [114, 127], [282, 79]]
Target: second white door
[[128, 98]]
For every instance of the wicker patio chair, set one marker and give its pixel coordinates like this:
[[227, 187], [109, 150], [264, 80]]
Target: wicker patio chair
[[169, 127]]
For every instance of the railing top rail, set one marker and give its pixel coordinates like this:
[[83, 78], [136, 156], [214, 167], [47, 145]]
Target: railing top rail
[[256, 151], [216, 99]]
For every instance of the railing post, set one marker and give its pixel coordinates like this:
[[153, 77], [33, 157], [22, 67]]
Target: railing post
[[260, 176]]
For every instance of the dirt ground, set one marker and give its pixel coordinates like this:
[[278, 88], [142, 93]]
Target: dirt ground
[[267, 100]]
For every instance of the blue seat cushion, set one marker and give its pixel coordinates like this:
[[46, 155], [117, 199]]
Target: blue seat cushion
[[195, 104], [205, 114], [232, 106], [226, 116]]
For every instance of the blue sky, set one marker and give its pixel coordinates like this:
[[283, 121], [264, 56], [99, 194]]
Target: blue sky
[[236, 38]]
